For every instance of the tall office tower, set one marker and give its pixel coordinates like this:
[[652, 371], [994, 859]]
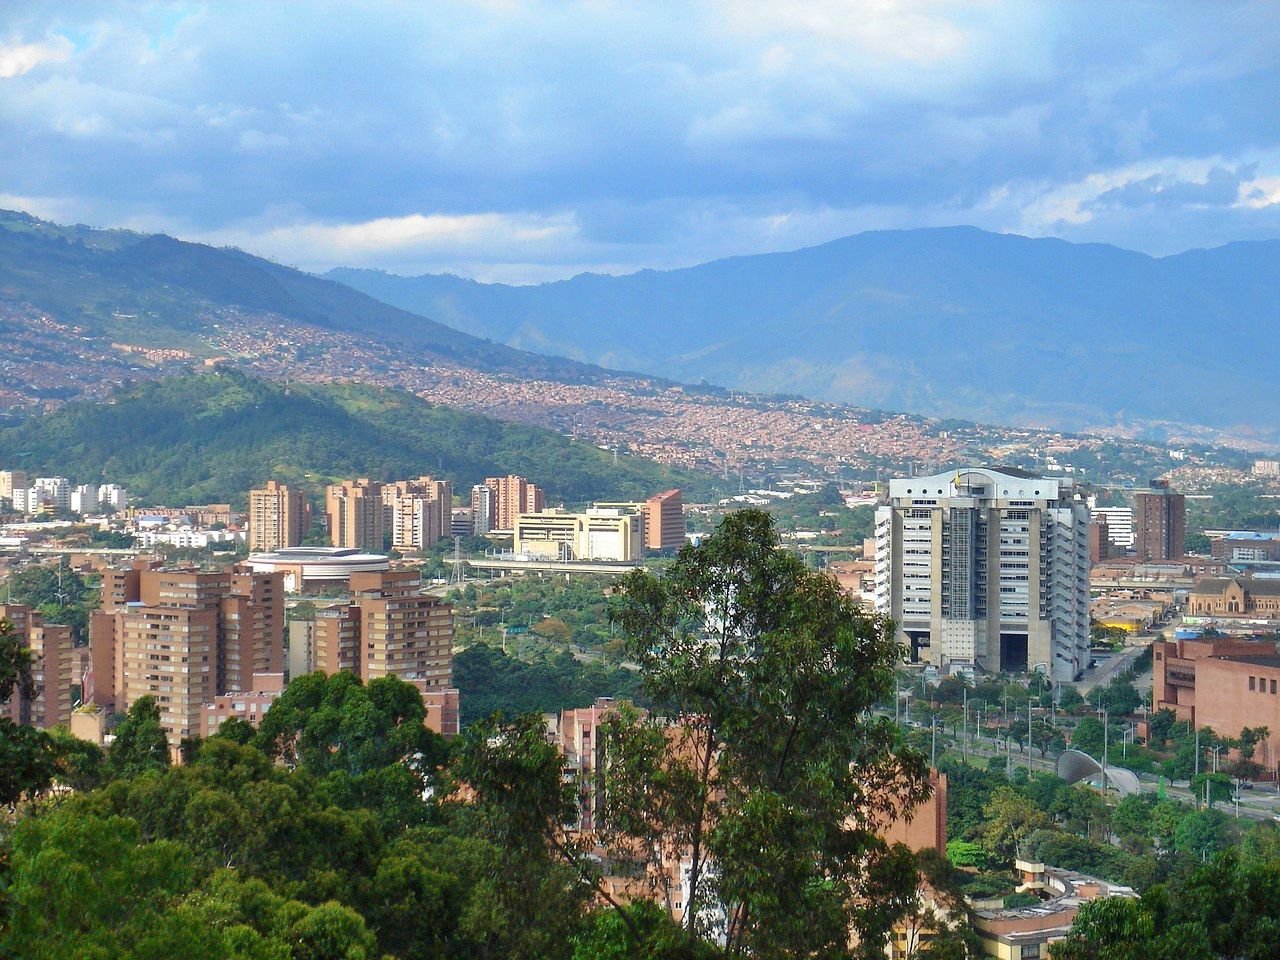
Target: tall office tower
[[11, 480], [54, 668], [664, 521], [1160, 523], [513, 496], [183, 637], [417, 513], [403, 632], [279, 516], [354, 508], [482, 509], [986, 569]]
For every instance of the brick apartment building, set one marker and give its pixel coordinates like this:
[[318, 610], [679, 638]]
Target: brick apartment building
[[57, 667], [388, 628], [183, 637], [279, 516]]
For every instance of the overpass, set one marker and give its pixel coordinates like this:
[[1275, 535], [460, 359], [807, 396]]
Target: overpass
[[509, 565]]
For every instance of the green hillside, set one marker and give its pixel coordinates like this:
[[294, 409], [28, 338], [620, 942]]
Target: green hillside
[[209, 437]]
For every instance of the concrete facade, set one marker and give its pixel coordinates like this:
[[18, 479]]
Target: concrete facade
[[986, 569]]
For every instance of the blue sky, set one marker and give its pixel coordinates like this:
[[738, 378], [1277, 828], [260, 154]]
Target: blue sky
[[523, 141]]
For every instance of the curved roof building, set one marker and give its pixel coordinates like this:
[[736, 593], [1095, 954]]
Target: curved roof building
[[315, 569]]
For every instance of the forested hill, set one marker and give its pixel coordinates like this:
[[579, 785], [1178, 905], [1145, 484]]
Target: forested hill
[[210, 437]]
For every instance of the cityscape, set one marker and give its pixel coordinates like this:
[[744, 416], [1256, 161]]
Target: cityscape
[[557, 482]]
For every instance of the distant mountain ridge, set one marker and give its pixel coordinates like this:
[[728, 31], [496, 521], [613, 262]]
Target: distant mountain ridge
[[949, 322], [159, 288]]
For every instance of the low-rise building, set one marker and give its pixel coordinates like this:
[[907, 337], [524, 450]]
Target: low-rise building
[[1023, 933], [606, 534]]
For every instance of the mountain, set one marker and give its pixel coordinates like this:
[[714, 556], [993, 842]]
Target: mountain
[[153, 289], [953, 322], [210, 437]]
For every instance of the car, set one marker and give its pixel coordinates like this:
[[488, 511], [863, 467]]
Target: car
[[1246, 785]]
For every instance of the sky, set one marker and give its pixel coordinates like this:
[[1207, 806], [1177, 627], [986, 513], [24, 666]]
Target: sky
[[524, 141]]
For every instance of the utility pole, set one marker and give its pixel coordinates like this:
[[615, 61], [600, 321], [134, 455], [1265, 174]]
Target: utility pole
[[933, 753], [1197, 752], [1106, 738]]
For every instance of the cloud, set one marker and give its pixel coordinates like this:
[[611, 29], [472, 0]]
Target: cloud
[[538, 138], [19, 58]]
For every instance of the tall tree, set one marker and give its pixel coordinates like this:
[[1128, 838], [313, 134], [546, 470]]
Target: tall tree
[[775, 773], [140, 743]]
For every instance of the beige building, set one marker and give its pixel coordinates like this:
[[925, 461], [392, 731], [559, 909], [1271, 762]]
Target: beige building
[[11, 480], [355, 513], [183, 637], [663, 516], [57, 667], [512, 496], [279, 516], [608, 534], [417, 513]]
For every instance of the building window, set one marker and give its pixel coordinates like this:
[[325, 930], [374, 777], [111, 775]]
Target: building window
[[1251, 682], [1273, 686]]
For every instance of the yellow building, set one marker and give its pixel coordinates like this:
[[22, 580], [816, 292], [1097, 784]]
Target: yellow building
[[601, 534]]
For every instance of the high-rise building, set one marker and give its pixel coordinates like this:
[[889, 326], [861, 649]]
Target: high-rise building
[[84, 498], [55, 668], [1160, 524], [403, 632], [664, 521], [986, 569], [183, 637], [279, 516], [513, 496], [482, 509], [389, 628], [11, 480], [417, 513], [355, 513]]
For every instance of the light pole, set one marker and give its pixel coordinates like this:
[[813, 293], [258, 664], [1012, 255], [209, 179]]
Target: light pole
[[1106, 730]]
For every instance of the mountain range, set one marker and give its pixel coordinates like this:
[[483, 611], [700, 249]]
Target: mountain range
[[159, 291], [951, 322]]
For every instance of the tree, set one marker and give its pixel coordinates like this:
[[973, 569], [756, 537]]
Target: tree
[[15, 664], [27, 762], [763, 676], [140, 743], [1009, 818], [1087, 737]]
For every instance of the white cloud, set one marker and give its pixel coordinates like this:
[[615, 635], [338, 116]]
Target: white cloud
[[19, 58]]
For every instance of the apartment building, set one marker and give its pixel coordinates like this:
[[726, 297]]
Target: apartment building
[[355, 512], [56, 669], [986, 569], [417, 513], [512, 496], [388, 628], [279, 516], [184, 637]]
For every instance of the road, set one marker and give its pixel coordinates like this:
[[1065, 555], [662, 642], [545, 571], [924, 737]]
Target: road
[[1260, 803], [1104, 673]]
